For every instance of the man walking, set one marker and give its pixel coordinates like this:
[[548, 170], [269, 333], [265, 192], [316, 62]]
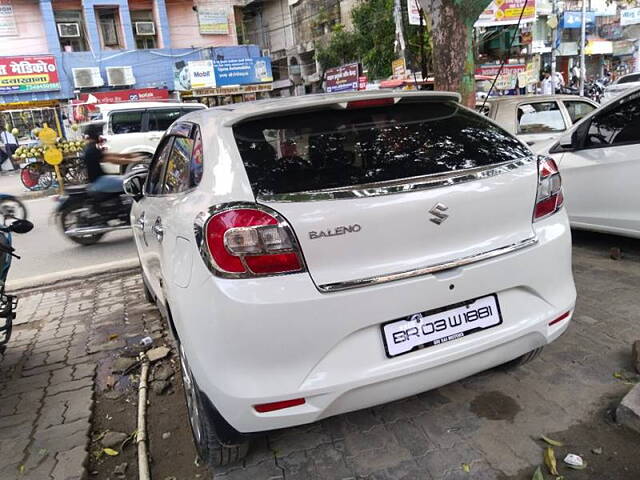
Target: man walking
[[9, 146]]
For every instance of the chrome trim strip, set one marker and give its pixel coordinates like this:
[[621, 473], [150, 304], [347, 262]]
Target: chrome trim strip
[[440, 267], [403, 185]]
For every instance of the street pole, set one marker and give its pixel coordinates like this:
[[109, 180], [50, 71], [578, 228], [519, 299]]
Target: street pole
[[423, 58], [397, 13], [583, 38], [554, 42]]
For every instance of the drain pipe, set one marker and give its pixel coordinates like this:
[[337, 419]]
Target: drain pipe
[[141, 436]]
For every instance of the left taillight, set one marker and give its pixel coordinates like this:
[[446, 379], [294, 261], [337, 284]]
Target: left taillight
[[549, 197], [250, 241]]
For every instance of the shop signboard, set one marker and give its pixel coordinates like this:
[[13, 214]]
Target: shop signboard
[[624, 47], [507, 12], [413, 9], [398, 68], [508, 77], [574, 19], [630, 16], [342, 79], [243, 71], [8, 26], [362, 82], [38, 73], [213, 20], [598, 47], [201, 74], [133, 95]]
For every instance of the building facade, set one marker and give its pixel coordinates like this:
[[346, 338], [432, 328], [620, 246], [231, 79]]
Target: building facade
[[101, 45]]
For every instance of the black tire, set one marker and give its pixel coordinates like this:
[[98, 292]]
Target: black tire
[[524, 359], [210, 449], [67, 221]]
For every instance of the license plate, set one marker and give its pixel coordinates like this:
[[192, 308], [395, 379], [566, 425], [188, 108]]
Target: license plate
[[443, 325]]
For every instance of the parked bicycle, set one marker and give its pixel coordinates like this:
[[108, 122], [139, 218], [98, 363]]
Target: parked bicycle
[[39, 175]]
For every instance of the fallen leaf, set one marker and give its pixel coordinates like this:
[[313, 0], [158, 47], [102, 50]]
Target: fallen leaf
[[21, 468], [550, 461], [113, 336], [110, 451], [537, 475], [466, 467], [578, 467], [550, 441]]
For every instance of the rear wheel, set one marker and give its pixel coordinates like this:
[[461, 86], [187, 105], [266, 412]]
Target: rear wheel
[[72, 218], [210, 449], [36, 176]]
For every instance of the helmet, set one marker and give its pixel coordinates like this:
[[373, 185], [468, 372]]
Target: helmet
[[94, 130]]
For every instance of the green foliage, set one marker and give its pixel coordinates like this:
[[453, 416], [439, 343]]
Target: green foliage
[[372, 41]]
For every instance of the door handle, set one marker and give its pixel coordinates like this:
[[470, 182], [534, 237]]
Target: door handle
[[158, 230], [139, 224]]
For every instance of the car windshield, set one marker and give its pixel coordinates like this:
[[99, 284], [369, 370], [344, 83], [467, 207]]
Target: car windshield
[[333, 148]]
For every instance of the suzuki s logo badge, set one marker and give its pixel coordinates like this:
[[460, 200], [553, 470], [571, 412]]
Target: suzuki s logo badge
[[438, 213]]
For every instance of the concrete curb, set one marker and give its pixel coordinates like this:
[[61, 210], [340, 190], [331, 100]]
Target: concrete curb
[[55, 279], [628, 412], [38, 194]]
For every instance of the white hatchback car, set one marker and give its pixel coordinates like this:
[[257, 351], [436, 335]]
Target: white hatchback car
[[600, 164], [622, 85], [321, 254]]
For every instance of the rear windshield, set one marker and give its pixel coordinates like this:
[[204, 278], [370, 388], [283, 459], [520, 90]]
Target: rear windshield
[[337, 148]]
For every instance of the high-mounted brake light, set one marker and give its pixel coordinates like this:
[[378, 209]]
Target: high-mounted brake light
[[549, 198], [250, 241], [370, 103]]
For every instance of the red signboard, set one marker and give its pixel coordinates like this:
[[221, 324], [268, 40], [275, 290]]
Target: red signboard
[[37, 73], [135, 95]]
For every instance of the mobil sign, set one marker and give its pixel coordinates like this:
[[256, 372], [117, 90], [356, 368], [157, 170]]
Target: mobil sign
[[201, 74]]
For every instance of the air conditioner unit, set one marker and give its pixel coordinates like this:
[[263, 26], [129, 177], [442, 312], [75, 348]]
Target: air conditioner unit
[[69, 30], [87, 77], [120, 76], [145, 28], [266, 52]]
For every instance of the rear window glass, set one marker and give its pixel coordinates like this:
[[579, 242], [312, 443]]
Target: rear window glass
[[337, 148]]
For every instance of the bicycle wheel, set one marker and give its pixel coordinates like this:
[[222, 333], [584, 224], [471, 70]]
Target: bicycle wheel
[[36, 176]]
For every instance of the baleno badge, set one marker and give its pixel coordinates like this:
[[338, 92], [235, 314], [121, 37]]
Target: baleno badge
[[334, 232]]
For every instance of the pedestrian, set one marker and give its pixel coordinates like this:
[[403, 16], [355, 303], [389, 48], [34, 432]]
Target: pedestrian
[[9, 146]]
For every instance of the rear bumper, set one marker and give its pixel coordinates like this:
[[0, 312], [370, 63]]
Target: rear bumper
[[281, 338]]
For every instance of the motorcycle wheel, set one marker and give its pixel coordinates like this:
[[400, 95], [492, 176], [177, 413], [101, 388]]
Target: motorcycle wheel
[[69, 219]]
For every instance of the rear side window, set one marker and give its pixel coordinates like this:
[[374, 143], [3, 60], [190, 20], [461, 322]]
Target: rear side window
[[160, 120], [337, 148], [177, 179], [540, 118], [126, 122], [620, 125]]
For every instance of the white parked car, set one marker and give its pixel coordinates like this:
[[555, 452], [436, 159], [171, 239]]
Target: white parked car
[[137, 127], [600, 164], [321, 254], [537, 119], [621, 85]]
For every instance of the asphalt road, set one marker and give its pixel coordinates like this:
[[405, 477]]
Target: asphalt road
[[45, 250]]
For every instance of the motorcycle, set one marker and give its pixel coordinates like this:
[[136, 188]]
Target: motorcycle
[[85, 216], [8, 303]]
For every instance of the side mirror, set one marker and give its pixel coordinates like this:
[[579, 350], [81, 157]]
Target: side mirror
[[21, 226], [566, 143], [134, 181]]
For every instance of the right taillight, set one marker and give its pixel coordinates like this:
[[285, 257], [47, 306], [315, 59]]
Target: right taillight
[[549, 198], [247, 241]]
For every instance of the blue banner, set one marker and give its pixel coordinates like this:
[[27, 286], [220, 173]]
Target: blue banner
[[242, 71], [574, 19]]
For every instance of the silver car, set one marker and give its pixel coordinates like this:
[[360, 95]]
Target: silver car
[[537, 119]]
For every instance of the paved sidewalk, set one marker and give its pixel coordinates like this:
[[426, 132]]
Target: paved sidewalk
[[47, 372]]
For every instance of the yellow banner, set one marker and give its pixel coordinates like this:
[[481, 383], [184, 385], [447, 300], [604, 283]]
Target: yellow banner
[[22, 80]]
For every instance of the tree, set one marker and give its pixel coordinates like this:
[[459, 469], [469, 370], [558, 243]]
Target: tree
[[371, 42], [453, 52]]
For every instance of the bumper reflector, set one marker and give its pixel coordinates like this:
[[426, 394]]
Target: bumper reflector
[[270, 407], [560, 318]]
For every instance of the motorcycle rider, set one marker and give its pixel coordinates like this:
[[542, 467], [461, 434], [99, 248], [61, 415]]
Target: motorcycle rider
[[93, 156]]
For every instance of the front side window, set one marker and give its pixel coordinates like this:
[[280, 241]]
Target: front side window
[[126, 122], [160, 120], [332, 148], [578, 110], [618, 126], [154, 179], [540, 117], [71, 30], [177, 178]]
